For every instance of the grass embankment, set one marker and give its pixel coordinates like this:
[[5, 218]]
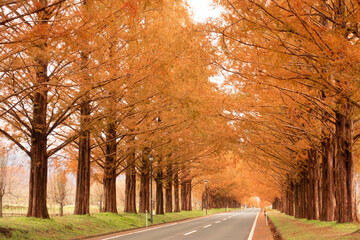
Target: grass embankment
[[73, 226], [295, 229]]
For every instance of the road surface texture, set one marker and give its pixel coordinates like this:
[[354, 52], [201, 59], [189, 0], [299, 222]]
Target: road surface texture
[[231, 225]]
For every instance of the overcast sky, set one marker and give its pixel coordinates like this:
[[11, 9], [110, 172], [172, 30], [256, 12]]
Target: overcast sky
[[203, 9]]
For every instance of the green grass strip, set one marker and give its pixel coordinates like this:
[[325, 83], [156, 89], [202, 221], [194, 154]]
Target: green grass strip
[[302, 229], [73, 226]]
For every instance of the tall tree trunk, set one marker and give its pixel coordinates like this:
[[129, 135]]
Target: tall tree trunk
[[316, 164], [39, 159], [144, 194], [311, 185], [176, 192], [168, 189], [297, 201], [344, 162], [83, 171], [109, 179], [183, 195], [159, 192], [188, 195], [329, 201], [109, 182], [345, 168], [302, 198], [130, 185], [82, 196]]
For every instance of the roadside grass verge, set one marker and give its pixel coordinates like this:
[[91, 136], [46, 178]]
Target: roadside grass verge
[[301, 229], [74, 226]]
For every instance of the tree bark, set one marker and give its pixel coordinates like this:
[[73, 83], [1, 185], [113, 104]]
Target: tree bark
[[329, 201], [316, 164], [144, 194], [188, 195], [82, 196], [109, 179], [183, 195], [176, 192], [345, 168], [168, 189], [297, 200], [39, 159], [159, 192], [130, 185], [344, 162], [83, 171]]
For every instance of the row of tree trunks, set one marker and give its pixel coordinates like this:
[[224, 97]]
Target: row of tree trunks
[[218, 201], [302, 198], [171, 179], [326, 190], [186, 195], [144, 194]]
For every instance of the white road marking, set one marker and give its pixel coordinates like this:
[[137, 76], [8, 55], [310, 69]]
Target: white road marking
[[253, 227], [207, 226], [139, 231], [190, 232], [153, 228], [224, 219]]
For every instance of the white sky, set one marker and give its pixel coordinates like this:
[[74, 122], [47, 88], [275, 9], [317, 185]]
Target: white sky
[[203, 9]]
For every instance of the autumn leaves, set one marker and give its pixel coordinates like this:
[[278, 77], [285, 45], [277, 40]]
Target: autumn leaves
[[296, 62], [101, 85], [105, 84]]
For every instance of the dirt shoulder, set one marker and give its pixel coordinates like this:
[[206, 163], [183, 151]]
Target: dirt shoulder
[[262, 231]]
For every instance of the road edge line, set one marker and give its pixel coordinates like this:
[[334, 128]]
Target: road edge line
[[253, 228], [126, 232]]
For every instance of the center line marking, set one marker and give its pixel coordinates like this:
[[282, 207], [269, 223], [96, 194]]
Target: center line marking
[[207, 226], [217, 221], [190, 232]]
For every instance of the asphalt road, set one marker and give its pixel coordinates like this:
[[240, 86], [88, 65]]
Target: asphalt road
[[231, 225]]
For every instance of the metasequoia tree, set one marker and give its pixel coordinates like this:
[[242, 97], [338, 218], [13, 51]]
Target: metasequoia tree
[[35, 85], [100, 49], [111, 82], [303, 52]]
